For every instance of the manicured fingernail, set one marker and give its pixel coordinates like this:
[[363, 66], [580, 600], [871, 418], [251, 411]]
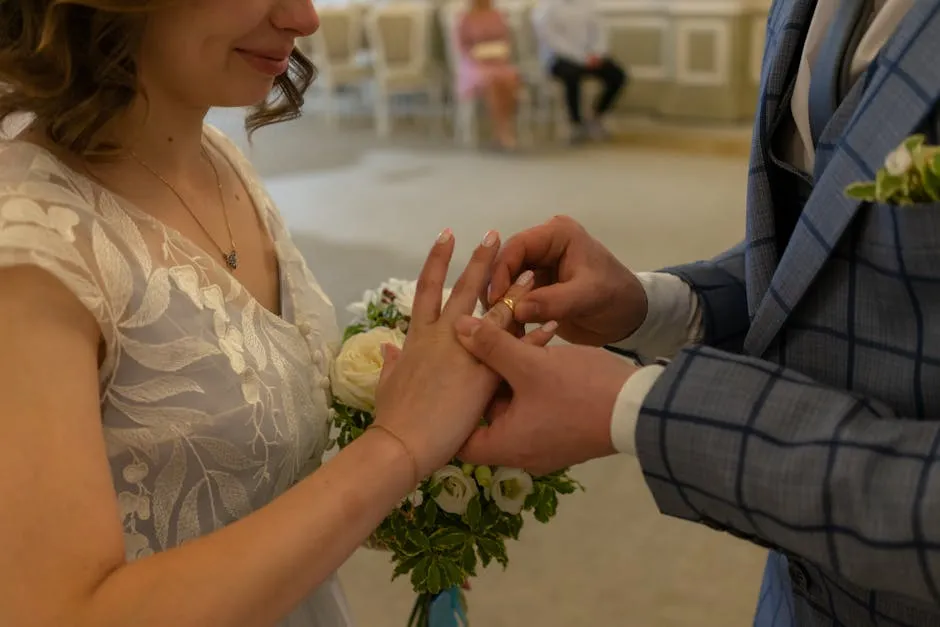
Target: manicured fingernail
[[525, 278], [550, 327], [445, 236], [489, 240], [467, 326], [383, 349]]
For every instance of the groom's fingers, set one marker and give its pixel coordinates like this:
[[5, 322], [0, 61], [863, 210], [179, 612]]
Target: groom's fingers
[[541, 246], [502, 352], [486, 446], [503, 312]]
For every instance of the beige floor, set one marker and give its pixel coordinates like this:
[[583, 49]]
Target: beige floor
[[363, 210]]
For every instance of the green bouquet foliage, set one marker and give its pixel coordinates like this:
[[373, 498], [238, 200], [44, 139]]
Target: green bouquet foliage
[[459, 518]]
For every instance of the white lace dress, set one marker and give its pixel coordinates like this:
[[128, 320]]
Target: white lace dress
[[211, 405]]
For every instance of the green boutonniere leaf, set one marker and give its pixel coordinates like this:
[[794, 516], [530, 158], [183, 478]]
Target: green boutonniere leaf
[[911, 175], [864, 192]]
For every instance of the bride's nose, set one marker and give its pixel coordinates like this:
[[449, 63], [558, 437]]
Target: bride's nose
[[296, 16]]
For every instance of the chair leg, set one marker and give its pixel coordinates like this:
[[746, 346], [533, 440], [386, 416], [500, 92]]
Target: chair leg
[[436, 102], [329, 102], [471, 129], [383, 123], [460, 134], [561, 127], [524, 122]]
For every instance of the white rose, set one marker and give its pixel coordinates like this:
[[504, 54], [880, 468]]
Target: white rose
[[457, 489], [356, 370], [509, 489], [899, 162]]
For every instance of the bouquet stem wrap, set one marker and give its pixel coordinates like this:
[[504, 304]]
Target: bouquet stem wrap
[[447, 609]]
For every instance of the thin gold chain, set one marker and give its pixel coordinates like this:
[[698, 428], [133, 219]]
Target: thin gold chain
[[230, 257]]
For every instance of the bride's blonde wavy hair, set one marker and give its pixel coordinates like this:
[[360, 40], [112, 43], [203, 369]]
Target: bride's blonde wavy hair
[[72, 65]]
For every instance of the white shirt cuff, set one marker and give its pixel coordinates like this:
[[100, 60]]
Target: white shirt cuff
[[673, 318], [628, 405]]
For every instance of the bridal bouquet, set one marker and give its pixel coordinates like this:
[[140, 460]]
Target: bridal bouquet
[[461, 516]]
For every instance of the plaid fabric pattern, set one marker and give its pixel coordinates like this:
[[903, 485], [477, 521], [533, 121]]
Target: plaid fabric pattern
[[809, 420]]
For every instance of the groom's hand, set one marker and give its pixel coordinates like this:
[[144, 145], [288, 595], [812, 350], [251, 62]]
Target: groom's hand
[[595, 298], [561, 404]]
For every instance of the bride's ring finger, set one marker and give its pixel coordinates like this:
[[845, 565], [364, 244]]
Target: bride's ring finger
[[503, 311]]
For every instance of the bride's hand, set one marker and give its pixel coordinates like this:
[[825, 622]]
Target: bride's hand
[[433, 394]]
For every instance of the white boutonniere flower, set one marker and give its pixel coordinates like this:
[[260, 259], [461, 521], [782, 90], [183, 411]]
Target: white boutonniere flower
[[911, 175]]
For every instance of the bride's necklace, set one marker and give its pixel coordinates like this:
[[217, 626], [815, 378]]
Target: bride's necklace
[[230, 257]]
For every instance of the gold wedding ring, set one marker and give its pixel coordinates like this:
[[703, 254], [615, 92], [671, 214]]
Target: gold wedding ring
[[510, 304]]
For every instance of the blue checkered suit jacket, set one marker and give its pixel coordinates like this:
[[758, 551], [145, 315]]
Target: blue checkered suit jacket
[[808, 421]]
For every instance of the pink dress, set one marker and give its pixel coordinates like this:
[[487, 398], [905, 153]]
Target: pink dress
[[479, 27]]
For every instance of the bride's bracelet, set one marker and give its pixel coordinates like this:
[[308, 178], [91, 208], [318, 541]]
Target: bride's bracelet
[[415, 469]]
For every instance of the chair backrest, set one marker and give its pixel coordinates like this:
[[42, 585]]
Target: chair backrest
[[340, 37], [449, 16], [399, 35], [525, 43]]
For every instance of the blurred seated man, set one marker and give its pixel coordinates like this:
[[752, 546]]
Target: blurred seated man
[[573, 47]]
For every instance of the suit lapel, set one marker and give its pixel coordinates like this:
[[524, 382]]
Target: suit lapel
[[902, 90], [787, 25]]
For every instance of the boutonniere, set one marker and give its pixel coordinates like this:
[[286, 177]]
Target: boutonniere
[[911, 174]]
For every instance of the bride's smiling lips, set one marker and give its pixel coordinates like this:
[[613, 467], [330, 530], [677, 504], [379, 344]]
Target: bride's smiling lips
[[269, 62]]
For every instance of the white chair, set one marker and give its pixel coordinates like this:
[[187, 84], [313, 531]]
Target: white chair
[[399, 34], [337, 50]]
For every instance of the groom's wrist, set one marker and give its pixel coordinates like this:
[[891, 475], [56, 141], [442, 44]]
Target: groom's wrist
[[627, 407]]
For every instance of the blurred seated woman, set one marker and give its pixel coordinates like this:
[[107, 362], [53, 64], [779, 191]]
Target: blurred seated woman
[[486, 69]]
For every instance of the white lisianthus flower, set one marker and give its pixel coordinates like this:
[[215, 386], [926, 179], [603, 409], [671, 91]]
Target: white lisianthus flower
[[457, 489], [509, 489], [415, 499], [899, 162], [404, 298], [404, 292], [355, 372], [360, 309]]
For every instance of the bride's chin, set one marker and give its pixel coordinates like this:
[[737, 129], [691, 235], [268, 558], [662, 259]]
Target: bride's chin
[[248, 94]]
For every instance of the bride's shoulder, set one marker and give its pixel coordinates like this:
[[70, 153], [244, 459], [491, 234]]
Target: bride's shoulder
[[31, 173], [227, 147], [236, 157]]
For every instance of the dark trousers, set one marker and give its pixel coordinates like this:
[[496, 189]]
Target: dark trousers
[[573, 74]]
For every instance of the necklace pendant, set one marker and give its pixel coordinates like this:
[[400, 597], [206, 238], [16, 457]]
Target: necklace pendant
[[231, 259]]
